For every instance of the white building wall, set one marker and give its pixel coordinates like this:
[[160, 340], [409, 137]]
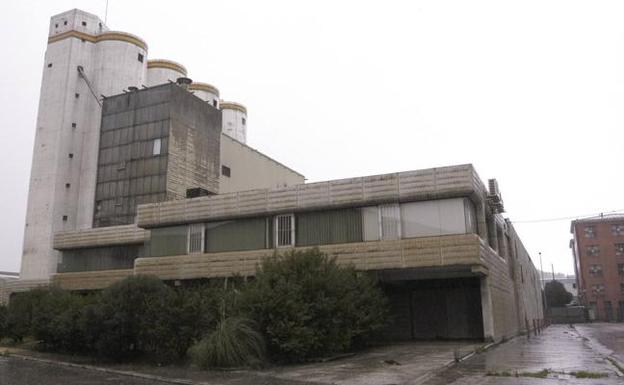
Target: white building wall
[[62, 184], [234, 120], [205, 92], [162, 71], [250, 169]]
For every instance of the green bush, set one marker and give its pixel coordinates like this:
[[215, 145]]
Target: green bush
[[234, 342], [123, 322], [308, 306], [21, 309], [57, 320]]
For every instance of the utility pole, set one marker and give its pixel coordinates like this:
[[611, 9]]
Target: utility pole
[[542, 282], [552, 267]]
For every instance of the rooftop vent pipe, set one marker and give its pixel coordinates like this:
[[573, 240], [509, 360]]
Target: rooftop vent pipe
[[184, 82]]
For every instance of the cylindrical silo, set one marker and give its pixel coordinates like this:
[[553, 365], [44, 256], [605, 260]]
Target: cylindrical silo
[[205, 92], [161, 71], [119, 62], [234, 120]]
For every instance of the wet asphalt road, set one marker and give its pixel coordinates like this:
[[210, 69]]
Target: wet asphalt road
[[16, 371]]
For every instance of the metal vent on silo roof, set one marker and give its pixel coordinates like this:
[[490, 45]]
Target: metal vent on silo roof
[[184, 82], [494, 198], [133, 88]]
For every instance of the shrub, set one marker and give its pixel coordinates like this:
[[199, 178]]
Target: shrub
[[22, 307], [234, 342], [57, 320], [123, 321], [308, 306]]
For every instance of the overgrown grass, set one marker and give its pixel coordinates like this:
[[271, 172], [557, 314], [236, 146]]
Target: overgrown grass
[[586, 374], [541, 374], [234, 342]]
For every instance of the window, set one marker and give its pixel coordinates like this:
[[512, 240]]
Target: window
[[329, 227], [71, 155], [244, 121], [214, 102], [49, 65], [620, 268], [84, 23], [67, 185], [140, 57], [65, 22], [593, 250], [64, 218], [225, 171], [56, 25], [238, 234], [196, 238], [390, 221], [284, 230], [156, 147], [619, 249], [595, 270], [77, 95], [617, 229], [590, 232], [73, 125], [598, 289]]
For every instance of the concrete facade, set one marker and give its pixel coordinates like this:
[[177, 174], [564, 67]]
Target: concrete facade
[[85, 62], [598, 250], [494, 279]]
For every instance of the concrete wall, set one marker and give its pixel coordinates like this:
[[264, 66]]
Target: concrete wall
[[194, 145], [250, 169], [62, 183]]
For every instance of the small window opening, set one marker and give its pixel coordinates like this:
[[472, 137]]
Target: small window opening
[[156, 147], [214, 102], [67, 185], [49, 65], [77, 95], [73, 125], [225, 171], [64, 218], [285, 230], [244, 121], [140, 57], [71, 155], [56, 25], [84, 23], [65, 22]]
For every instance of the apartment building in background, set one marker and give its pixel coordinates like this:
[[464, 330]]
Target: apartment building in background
[[598, 250]]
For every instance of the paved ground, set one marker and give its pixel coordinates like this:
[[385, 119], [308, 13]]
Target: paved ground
[[15, 371], [397, 364], [609, 335], [560, 348]]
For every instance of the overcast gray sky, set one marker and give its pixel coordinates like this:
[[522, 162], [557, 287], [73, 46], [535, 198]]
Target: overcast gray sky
[[530, 92]]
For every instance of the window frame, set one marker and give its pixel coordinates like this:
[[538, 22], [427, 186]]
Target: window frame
[[276, 230], [202, 228]]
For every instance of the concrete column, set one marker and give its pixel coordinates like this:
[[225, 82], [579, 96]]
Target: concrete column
[[487, 310], [481, 221], [492, 227]]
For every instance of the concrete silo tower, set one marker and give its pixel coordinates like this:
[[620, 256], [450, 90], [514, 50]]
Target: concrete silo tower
[[234, 120], [161, 71], [83, 61], [206, 92]]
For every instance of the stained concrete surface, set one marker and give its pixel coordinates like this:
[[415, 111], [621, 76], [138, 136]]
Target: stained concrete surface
[[15, 371], [609, 335], [395, 364], [560, 349]]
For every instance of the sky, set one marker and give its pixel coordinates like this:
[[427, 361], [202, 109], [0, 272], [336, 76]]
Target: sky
[[530, 92]]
